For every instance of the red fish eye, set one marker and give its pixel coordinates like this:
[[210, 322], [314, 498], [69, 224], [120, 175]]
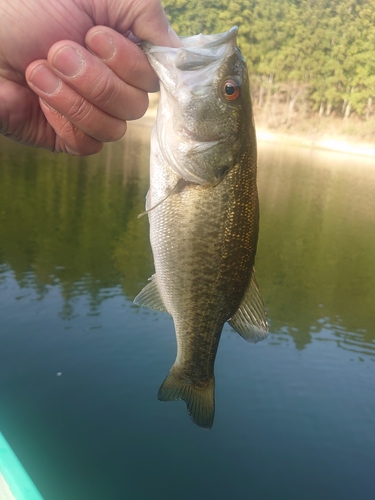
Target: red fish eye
[[231, 90]]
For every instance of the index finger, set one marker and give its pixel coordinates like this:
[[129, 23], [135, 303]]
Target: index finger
[[123, 57]]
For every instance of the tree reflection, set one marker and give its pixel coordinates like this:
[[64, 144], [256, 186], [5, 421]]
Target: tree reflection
[[316, 255], [72, 223]]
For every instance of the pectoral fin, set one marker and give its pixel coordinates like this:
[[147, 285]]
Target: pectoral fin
[[150, 296], [179, 185], [250, 320]]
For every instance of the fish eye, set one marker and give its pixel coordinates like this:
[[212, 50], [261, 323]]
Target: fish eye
[[231, 89]]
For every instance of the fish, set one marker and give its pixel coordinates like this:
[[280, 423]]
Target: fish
[[203, 210]]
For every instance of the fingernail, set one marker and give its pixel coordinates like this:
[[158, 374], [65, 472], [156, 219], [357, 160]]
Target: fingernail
[[68, 61], [102, 45], [45, 80], [174, 38]]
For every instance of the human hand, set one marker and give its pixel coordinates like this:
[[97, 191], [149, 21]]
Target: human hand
[[69, 79]]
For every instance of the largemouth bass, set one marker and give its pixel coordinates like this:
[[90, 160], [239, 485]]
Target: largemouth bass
[[203, 210]]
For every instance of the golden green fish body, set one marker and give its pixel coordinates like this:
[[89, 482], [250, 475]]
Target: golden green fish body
[[203, 212], [204, 242]]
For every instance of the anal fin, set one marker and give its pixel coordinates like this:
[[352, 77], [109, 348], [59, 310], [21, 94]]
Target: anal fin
[[250, 320], [150, 296]]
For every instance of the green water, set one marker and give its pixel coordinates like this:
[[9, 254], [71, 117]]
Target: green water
[[80, 365]]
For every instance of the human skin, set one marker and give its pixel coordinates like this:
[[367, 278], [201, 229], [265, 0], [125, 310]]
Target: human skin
[[69, 78]]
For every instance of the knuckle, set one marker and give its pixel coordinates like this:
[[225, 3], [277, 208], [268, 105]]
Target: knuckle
[[80, 110], [103, 93], [73, 141], [69, 132], [84, 119]]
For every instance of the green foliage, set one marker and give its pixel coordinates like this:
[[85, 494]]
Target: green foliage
[[324, 46]]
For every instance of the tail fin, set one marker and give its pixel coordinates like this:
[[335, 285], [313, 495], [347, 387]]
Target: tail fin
[[200, 401]]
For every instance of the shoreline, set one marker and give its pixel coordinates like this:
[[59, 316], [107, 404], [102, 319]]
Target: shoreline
[[333, 143]]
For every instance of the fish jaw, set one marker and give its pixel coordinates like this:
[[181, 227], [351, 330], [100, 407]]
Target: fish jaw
[[193, 65], [192, 109]]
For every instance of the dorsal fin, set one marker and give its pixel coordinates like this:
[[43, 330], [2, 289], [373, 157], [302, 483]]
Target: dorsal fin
[[150, 296], [250, 320]]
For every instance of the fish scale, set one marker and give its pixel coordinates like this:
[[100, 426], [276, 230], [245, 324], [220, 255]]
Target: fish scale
[[203, 212]]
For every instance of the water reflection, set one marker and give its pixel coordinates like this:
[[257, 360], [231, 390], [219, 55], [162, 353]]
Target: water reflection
[[316, 259], [72, 223]]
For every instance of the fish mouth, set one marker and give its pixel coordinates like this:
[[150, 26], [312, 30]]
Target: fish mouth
[[196, 44], [194, 63], [209, 41], [201, 50]]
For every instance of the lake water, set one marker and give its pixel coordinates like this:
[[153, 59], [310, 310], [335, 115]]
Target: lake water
[[80, 365]]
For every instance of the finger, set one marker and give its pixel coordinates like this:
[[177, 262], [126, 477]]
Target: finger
[[69, 139], [151, 24], [76, 108], [123, 57], [27, 119], [95, 81], [21, 118], [147, 20]]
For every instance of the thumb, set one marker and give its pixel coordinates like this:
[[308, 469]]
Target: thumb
[[145, 18], [151, 24]]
